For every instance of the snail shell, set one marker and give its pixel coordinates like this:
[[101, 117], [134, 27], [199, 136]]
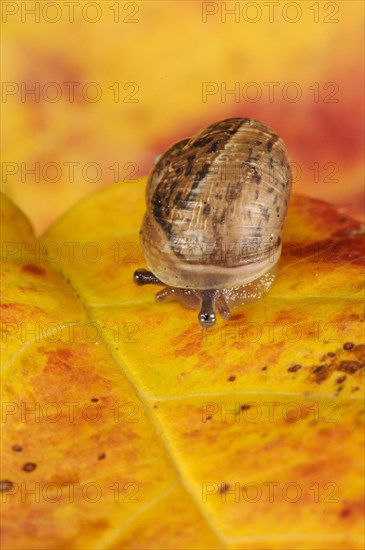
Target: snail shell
[[216, 206]]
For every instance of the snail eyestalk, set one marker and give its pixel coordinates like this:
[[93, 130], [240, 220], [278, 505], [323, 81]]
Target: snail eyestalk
[[207, 316]]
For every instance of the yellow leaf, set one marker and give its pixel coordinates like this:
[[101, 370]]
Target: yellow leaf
[[127, 425]]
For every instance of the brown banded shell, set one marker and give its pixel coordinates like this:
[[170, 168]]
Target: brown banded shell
[[216, 206]]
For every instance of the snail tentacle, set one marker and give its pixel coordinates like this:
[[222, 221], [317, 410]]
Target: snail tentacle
[[186, 297], [144, 277], [206, 315]]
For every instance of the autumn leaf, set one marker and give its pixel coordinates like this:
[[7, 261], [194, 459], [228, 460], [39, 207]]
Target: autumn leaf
[[127, 425]]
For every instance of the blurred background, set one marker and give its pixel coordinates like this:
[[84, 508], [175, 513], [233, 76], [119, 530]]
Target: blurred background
[[93, 91]]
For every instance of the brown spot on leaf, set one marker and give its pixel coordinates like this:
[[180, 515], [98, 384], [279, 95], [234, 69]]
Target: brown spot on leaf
[[294, 368], [101, 456], [33, 269], [224, 488], [321, 373], [350, 366], [29, 467], [359, 352], [231, 378], [17, 448], [348, 346], [6, 485], [341, 379]]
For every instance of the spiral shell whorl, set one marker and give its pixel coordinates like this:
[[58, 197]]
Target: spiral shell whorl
[[216, 205]]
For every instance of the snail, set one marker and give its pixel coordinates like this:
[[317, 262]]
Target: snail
[[216, 206]]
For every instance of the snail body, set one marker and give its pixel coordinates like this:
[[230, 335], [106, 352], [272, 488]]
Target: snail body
[[216, 206]]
